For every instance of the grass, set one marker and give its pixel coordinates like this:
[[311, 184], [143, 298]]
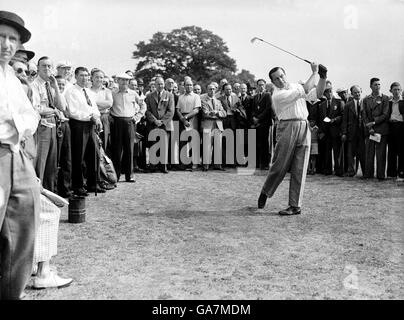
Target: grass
[[197, 235]]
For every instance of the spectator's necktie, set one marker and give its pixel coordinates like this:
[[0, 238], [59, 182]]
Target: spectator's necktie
[[228, 102], [213, 104], [358, 111], [87, 98], [51, 102], [158, 97], [328, 107]]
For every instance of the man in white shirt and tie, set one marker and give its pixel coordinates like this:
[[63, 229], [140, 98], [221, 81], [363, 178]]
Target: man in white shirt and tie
[[292, 149], [84, 122], [19, 187]]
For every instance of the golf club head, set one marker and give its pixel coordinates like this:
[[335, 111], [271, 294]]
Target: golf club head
[[255, 39]]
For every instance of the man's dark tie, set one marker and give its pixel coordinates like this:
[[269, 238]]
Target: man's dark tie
[[213, 103], [158, 96], [50, 96], [228, 102], [328, 107], [358, 112], [87, 98]]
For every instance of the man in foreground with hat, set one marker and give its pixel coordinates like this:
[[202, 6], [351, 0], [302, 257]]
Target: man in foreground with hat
[[19, 187]]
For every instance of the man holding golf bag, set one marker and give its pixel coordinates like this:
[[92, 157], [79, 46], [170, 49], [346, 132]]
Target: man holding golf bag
[[293, 135]]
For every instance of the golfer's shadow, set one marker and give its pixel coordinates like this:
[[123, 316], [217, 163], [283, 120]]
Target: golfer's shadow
[[254, 211]]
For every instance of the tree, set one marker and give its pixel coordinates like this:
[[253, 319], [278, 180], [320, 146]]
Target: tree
[[189, 51]]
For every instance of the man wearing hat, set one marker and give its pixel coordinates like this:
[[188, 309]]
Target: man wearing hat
[[23, 55], [343, 94], [19, 187], [64, 70], [127, 110]]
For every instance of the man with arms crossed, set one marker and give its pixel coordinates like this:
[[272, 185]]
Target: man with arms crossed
[[292, 149]]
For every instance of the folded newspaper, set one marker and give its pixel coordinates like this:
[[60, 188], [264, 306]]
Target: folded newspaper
[[375, 137]]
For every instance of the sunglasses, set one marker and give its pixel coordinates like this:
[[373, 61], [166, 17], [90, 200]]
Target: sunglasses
[[27, 72]]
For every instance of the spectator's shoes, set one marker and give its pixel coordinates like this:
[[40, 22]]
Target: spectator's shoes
[[290, 211], [262, 200], [99, 190], [107, 186], [52, 281], [163, 169], [81, 192], [219, 167]]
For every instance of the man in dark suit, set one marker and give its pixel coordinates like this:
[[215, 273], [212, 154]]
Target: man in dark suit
[[260, 120], [395, 141], [229, 102], [353, 132], [376, 117], [329, 124], [246, 103], [159, 114]]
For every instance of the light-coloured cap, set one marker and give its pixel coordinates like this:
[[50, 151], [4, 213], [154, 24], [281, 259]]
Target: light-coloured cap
[[63, 64], [123, 75], [339, 90]]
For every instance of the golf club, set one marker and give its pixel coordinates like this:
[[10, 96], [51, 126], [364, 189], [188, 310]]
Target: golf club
[[256, 38]]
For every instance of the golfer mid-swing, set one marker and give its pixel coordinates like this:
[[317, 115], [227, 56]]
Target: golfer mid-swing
[[293, 135]]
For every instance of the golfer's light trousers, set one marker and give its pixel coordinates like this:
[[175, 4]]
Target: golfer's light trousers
[[292, 152], [19, 212]]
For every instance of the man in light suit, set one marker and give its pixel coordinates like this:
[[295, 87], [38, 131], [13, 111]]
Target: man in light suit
[[353, 132], [212, 115], [159, 113]]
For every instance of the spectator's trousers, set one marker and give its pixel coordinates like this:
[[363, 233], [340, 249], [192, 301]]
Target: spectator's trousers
[[19, 213], [46, 158]]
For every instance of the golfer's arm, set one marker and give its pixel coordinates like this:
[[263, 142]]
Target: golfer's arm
[[320, 88], [310, 83]]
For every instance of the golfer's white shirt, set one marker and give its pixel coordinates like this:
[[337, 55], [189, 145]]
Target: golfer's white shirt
[[290, 101]]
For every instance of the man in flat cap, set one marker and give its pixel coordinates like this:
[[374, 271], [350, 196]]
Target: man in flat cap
[[126, 111], [64, 70], [19, 187]]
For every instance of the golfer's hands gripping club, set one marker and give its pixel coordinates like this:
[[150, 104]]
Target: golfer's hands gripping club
[[314, 67], [322, 71]]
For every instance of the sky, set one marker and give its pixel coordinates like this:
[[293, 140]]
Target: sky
[[355, 39]]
